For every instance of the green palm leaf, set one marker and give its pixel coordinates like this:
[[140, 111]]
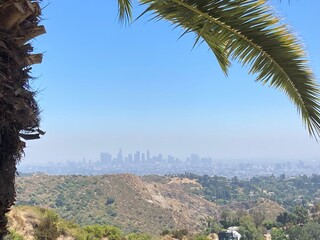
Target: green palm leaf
[[125, 13], [248, 31]]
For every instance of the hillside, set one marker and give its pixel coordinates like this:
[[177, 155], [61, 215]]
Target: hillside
[[145, 204], [122, 200], [28, 223]]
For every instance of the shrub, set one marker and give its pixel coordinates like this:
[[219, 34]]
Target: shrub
[[47, 229], [112, 233], [110, 200], [69, 228], [201, 237], [139, 236], [60, 201], [97, 232], [112, 212], [165, 232], [14, 236], [179, 233]]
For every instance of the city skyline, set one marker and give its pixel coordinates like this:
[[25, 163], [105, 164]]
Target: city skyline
[[143, 156], [146, 163]]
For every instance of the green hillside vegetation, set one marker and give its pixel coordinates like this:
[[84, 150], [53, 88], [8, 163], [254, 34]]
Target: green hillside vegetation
[[178, 205], [287, 192], [27, 222], [125, 201]]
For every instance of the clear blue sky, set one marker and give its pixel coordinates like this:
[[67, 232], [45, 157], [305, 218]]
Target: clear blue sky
[[105, 86]]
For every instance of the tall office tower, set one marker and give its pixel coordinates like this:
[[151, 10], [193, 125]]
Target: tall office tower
[[105, 157], [120, 156], [148, 155], [143, 157], [130, 158], [136, 157]]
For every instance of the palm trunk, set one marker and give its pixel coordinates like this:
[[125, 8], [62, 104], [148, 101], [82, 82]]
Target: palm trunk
[[19, 113], [9, 147]]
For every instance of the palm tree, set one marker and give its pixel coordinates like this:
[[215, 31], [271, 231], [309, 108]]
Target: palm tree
[[245, 30], [19, 113]]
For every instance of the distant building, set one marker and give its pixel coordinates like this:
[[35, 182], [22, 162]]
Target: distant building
[[230, 234], [105, 157], [136, 157], [130, 158], [120, 156], [148, 155]]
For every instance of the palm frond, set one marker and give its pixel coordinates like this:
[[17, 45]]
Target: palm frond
[[125, 13], [249, 31]]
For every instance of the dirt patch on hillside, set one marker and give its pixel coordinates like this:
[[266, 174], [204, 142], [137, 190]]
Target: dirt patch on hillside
[[176, 180]]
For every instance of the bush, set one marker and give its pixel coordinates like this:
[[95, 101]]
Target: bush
[[269, 225], [213, 227], [14, 236], [165, 232], [201, 237], [110, 200], [68, 228], [138, 236], [47, 228], [96, 232], [60, 200], [112, 212], [179, 233], [278, 234]]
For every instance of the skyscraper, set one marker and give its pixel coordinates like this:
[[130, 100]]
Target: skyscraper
[[136, 157], [148, 156], [120, 156], [105, 157]]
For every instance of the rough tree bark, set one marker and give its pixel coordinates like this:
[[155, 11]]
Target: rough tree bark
[[19, 113]]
